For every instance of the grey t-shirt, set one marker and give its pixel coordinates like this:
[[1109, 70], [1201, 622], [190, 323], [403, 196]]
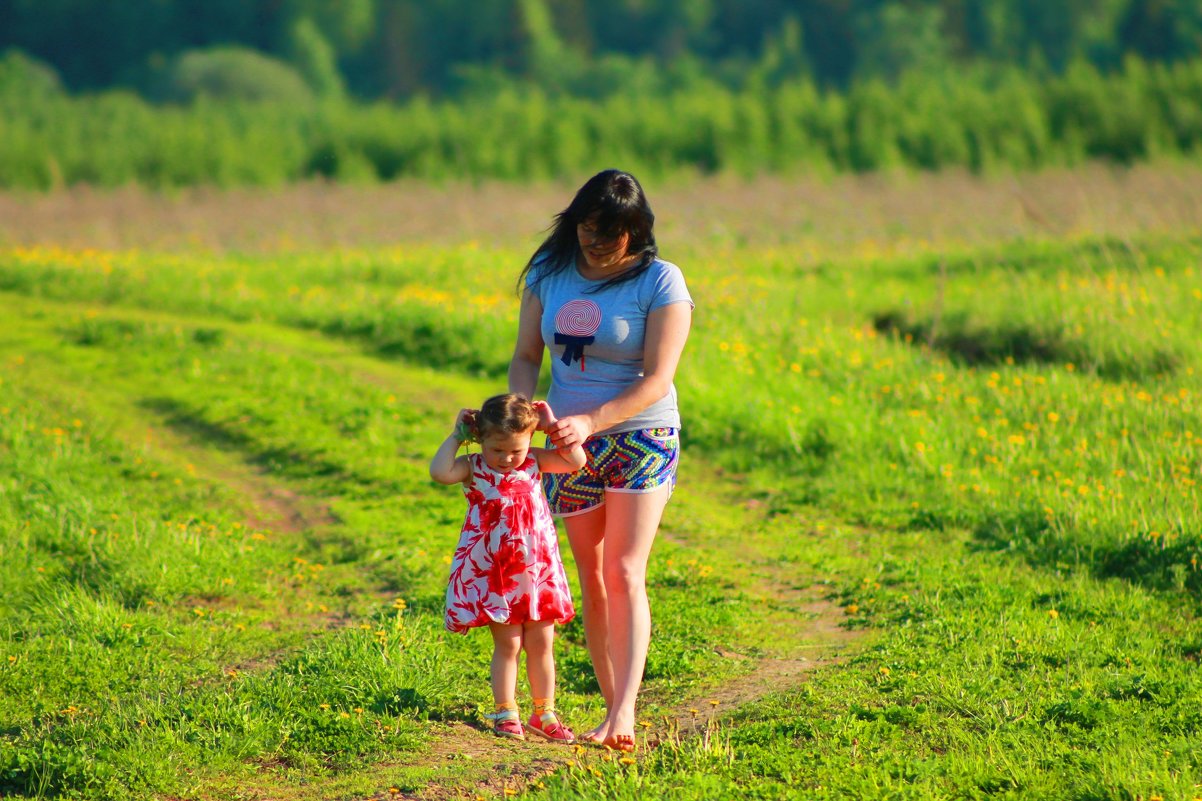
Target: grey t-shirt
[[596, 339]]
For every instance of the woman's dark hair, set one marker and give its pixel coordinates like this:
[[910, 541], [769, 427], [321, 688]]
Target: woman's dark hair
[[614, 203], [504, 414]]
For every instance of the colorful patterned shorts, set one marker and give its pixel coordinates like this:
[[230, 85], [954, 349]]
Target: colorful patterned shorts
[[632, 461]]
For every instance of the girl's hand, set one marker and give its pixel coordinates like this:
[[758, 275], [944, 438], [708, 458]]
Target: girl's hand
[[567, 432], [465, 423], [546, 417]]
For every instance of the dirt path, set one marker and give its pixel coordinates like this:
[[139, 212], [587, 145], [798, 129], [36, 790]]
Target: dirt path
[[490, 767], [821, 640], [810, 635], [480, 765]]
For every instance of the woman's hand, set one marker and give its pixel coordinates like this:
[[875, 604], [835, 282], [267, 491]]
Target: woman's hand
[[567, 432]]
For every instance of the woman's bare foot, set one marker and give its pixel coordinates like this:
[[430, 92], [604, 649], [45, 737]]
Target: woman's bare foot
[[595, 736], [620, 735], [620, 742]]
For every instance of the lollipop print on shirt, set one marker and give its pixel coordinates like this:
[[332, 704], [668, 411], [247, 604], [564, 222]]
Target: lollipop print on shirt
[[576, 324]]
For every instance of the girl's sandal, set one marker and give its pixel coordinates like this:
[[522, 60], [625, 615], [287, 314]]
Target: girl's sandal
[[547, 725], [507, 723], [620, 742]]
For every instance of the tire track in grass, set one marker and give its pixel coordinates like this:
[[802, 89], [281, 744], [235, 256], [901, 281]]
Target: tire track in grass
[[802, 629], [821, 642], [269, 503], [267, 506]]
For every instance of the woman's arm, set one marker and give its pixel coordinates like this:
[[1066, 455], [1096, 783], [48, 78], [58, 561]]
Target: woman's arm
[[666, 333], [528, 352]]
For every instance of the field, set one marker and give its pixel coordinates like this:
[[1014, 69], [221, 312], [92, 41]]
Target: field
[[937, 533]]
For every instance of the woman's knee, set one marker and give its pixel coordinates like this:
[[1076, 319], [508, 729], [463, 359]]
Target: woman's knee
[[626, 576]]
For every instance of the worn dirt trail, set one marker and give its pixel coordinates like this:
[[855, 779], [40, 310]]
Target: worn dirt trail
[[815, 640]]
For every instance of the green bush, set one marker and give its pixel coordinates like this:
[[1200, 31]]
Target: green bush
[[25, 77], [234, 73]]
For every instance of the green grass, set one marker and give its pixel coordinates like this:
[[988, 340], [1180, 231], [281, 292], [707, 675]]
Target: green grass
[[987, 458]]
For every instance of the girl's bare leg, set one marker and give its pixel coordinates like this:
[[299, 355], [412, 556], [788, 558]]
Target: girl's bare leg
[[538, 637], [586, 533], [506, 648]]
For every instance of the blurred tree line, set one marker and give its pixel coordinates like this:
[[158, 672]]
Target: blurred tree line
[[977, 119], [263, 92], [398, 49]]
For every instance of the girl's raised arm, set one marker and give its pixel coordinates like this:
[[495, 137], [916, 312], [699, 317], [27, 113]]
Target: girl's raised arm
[[562, 460], [555, 460], [446, 467]]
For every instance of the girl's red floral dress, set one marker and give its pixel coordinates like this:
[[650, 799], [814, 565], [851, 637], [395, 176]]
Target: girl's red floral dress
[[507, 567]]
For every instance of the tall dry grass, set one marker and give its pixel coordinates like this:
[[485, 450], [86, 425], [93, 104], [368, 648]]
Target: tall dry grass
[[933, 208]]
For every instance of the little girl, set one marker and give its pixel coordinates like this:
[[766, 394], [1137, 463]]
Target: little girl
[[507, 573]]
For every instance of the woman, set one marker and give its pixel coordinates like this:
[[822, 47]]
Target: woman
[[615, 318]]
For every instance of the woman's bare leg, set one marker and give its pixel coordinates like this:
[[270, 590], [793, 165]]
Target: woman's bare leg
[[586, 533], [631, 523]]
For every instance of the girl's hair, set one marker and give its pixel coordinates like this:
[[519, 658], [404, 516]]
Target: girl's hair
[[614, 203], [505, 414]]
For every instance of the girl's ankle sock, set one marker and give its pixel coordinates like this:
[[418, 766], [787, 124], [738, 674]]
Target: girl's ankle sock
[[542, 705], [506, 706]]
